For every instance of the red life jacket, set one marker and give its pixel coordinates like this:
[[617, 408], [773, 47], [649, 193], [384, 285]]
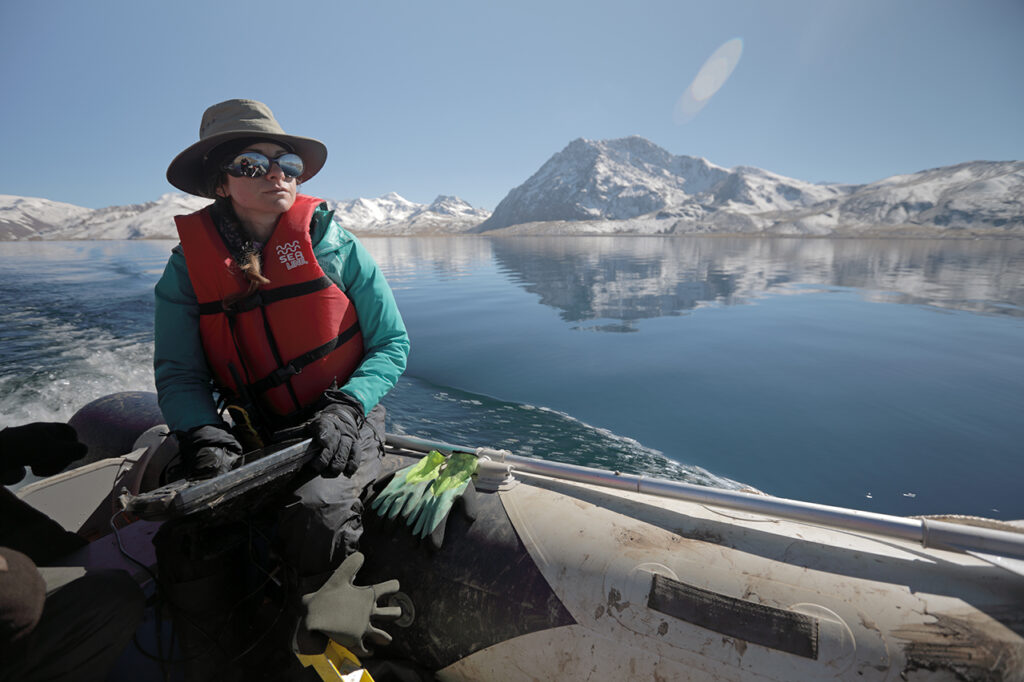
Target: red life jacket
[[291, 339]]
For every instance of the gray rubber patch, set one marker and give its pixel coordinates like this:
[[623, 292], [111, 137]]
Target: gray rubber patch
[[794, 633]]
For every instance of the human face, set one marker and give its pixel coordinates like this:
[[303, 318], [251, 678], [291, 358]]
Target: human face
[[259, 200]]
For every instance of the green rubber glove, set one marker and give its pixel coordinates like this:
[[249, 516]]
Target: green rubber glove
[[449, 485], [408, 487]]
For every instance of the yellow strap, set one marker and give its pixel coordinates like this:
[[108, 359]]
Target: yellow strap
[[245, 430], [336, 664]]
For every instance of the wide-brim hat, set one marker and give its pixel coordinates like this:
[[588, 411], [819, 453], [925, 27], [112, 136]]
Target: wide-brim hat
[[238, 119]]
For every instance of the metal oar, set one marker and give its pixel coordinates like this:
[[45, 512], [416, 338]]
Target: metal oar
[[928, 532]]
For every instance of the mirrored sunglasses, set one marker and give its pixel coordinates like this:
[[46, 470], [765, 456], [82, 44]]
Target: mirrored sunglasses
[[254, 165]]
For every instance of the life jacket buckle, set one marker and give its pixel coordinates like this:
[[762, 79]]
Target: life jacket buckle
[[244, 305]]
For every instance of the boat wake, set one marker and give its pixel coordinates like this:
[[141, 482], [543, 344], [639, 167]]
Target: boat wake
[[59, 368], [420, 408]]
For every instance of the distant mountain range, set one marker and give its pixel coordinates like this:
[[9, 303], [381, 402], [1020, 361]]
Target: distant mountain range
[[632, 185], [628, 185], [24, 218], [392, 214]]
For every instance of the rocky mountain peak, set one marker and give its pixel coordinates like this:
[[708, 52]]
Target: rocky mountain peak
[[610, 179]]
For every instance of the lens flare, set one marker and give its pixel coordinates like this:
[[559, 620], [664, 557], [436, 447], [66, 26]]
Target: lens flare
[[709, 80]]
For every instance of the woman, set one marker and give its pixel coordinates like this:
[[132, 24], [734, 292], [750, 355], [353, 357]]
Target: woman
[[270, 307]]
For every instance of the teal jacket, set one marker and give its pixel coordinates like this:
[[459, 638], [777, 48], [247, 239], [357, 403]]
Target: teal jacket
[[183, 380]]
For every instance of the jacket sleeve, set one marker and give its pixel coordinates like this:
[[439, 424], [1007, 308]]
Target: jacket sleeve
[[183, 383], [385, 340]]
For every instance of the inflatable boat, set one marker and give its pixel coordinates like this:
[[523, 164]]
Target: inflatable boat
[[573, 573]]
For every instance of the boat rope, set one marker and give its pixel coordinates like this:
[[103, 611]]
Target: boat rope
[[975, 521]]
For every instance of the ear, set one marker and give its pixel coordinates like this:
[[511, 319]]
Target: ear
[[222, 190]]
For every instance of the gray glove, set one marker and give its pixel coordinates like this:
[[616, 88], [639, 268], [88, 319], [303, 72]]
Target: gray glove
[[207, 451], [342, 611], [334, 431]]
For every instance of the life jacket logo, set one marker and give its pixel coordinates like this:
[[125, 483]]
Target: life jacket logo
[[291, 255]]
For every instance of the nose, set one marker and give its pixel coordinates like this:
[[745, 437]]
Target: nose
[[275, 170]]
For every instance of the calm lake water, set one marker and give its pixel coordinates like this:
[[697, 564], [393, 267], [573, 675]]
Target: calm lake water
[[885, 375]]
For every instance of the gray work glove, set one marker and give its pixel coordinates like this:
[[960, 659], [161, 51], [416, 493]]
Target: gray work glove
[[208, 451], [343, 611], [334, 431]]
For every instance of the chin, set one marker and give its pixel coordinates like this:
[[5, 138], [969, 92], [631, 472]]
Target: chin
[[284, 203]]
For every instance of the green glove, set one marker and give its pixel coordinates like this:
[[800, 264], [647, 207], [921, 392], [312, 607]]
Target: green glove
[[408, 487], [449, 485]]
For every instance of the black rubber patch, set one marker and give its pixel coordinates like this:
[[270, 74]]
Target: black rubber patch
[[794, 633]]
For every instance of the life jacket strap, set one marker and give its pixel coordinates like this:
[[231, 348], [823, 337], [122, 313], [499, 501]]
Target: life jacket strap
[[264, 297], [283, 374]]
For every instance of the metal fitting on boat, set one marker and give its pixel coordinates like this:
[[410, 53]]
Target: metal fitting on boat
[[492, 476]]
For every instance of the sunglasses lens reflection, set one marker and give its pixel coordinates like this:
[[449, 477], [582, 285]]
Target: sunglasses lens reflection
[[254, 165], [291, 165], [250, 165]]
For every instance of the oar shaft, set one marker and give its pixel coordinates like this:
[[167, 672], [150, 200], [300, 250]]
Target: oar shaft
[[929, 533]]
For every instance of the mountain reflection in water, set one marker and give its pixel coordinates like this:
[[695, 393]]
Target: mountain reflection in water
[[632, 278]]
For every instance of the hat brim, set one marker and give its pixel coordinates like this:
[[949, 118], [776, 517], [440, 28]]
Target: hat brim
[[186, 170]]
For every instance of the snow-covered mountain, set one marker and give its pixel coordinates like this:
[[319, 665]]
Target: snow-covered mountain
[[31, 218], [152, 220], [393, 214], [28, 217], [981, 195], [632, 177], [632, 185]]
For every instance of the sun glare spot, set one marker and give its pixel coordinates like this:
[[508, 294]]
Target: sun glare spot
[[709, 80]]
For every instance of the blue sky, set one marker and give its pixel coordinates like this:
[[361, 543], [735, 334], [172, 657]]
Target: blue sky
[[470, 98]]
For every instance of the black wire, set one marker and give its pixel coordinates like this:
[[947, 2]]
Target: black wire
[[159, 656], [161, 597], [124, 551]]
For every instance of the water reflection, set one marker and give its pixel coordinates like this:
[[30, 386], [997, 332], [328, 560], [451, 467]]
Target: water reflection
[[617, 279], [405, 260], [625, 279]]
